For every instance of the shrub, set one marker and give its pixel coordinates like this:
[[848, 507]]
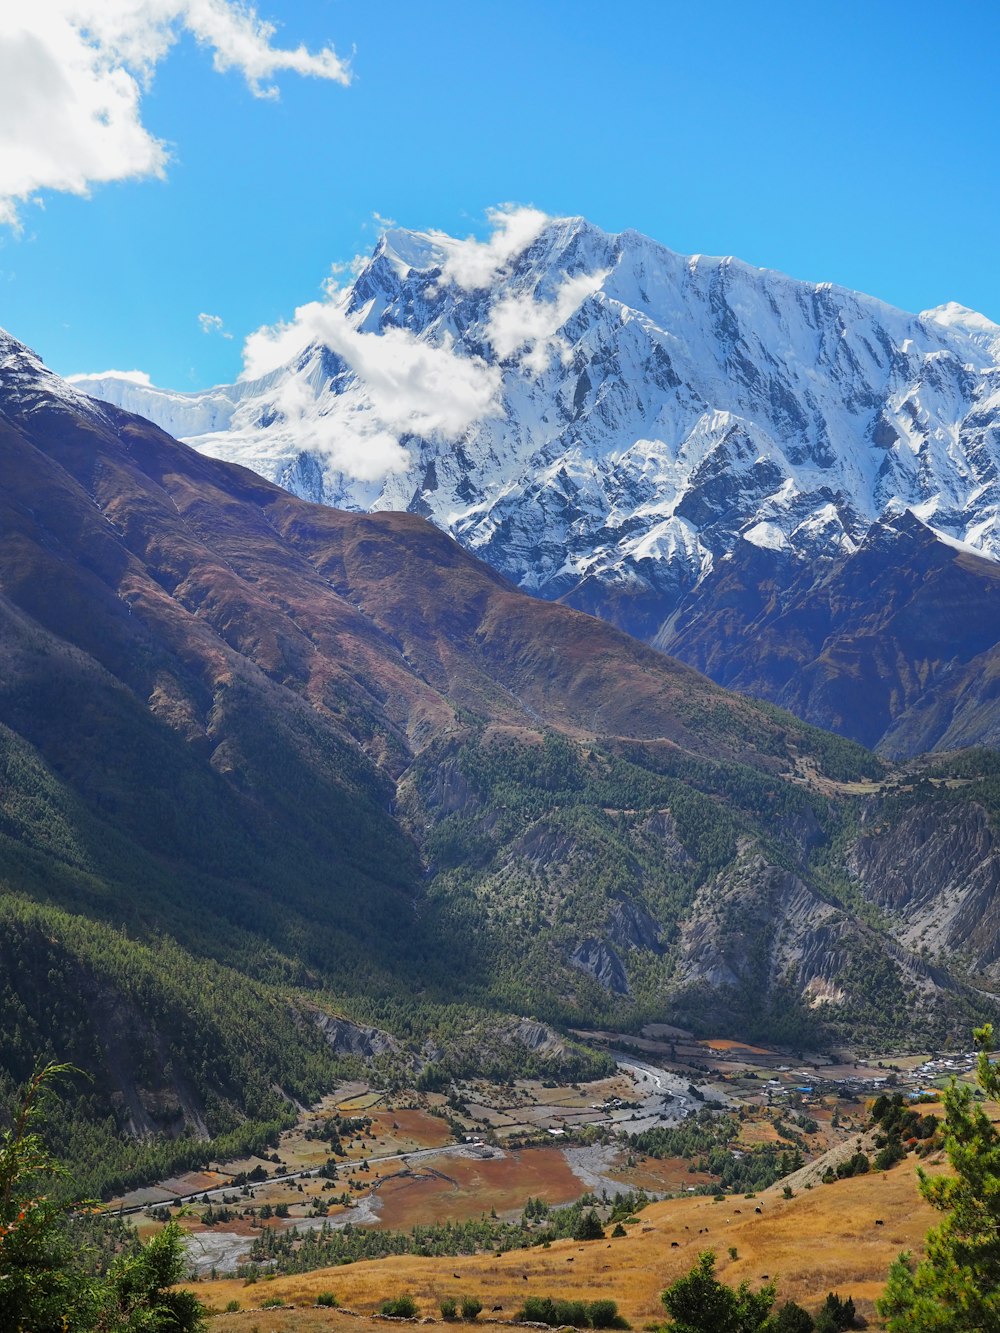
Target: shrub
[[791, 1318], [272, 1303], [545, 1310], [888, 1156], [399, 1307], [327, 1299], [835, 1315], [231, 1307], [471, 1307], [619, 1230], [700, 1303], [858, 1165], [589, 1227], [448, 1308], [604, 1314]]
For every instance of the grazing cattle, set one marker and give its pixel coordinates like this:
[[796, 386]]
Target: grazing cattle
[[738, 1211], [524, 1276], [764, 1276], [456, 1275], [758, 1210], [570, 1259], [674, 1245], [497, 1308], [879, 1222]]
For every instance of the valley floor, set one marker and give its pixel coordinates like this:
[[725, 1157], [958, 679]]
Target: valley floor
[[417, 1159]]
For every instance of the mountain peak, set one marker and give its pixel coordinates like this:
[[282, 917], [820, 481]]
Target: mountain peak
[[606, 418], [409, 250], [954, 316]]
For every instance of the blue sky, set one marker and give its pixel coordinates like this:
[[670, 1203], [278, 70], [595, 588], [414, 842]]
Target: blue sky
[[855, 143]]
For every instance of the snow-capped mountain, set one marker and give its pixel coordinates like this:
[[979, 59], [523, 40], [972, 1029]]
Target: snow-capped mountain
[[628, 413]]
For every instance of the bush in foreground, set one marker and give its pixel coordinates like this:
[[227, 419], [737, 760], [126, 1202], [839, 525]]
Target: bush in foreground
[[579, 1314], [399, 1307], [700, 1303], [791, 1318]]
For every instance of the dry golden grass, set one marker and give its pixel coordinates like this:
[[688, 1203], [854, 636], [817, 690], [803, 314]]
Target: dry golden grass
[[823, 1239], [295, 1321]]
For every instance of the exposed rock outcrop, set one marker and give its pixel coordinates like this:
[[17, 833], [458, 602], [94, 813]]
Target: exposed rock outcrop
[[347, 1038], [599, 960], [936, 871]]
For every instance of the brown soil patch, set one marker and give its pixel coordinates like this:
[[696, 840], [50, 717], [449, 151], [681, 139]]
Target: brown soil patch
[[465, 1187], [754, 1132], [724, 1044], [665, 1175], [194, 1181], [413, 1129]]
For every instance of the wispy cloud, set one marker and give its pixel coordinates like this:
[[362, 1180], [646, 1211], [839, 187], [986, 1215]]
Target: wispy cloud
[[213, 324], [520, 323], [472, 264], [73, 72]]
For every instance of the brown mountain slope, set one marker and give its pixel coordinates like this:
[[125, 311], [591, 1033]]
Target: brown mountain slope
[[894, 645], [113, 532]]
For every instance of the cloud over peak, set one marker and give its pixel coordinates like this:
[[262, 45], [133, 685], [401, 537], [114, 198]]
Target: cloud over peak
[[401, 386], [473, 264]]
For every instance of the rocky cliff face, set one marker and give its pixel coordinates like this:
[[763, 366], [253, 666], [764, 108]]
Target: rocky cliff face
[[337, 748], [936, 873]]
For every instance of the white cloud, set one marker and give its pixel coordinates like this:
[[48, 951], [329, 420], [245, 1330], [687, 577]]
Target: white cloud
[[213, 324], [135, 376], [72, 75], [519, 323], [402, 386], [343, 271], [473, 264], [348, 433]]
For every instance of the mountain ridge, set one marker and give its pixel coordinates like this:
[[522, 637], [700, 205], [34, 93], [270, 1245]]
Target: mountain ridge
[[698, 300], [631, 420]]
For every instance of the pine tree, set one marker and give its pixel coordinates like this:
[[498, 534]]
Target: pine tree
[[956, 1287], [700, 1303], [588, 1227], [37, 1287], [45, 1284]]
